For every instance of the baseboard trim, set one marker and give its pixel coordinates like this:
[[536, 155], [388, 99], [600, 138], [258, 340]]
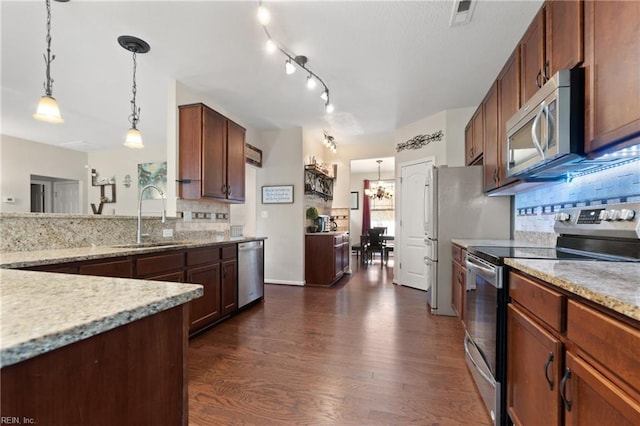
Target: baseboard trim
[[283, 282]]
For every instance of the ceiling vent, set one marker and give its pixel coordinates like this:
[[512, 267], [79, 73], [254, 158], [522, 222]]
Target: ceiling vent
[[462, 12]]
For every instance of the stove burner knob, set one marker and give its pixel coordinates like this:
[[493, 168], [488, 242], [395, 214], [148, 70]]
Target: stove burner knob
[[627, 214], [614, 215], [602, 215], [562, 217], [606, 215]]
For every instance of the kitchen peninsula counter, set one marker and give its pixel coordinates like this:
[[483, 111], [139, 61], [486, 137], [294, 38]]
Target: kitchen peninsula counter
[[28, 259]]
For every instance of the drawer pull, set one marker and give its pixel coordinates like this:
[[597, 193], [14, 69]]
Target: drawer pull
[[546, 370], [563, 389]]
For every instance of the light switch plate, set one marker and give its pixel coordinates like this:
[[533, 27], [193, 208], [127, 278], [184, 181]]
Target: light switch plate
[[264, 214]]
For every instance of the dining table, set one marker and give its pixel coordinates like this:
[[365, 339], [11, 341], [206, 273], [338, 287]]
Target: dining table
[[364, 241]]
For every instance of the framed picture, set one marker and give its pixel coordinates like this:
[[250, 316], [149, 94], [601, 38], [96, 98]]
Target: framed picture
[[253, 155], [277, 194], [355, 200]]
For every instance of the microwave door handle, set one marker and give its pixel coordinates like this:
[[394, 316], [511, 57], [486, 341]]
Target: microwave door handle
[[550, 127], [534, 129]]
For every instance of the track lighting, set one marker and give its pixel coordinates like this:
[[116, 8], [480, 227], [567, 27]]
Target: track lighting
[[292, 60], [134, 45], [271, 46], [311, 82], [288, 67], [48, 109], [263, 15]]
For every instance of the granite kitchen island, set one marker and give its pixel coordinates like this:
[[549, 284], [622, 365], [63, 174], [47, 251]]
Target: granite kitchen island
[[93, 350]]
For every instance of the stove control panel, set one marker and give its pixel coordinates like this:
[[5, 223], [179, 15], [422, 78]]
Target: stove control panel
[[614, 220]]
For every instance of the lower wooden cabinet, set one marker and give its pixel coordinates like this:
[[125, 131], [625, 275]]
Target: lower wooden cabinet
[[326, 258], [229, 290], [587, 375], [534, 359], [205, 310]]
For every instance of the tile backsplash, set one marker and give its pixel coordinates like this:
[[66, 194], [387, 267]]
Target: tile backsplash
[[535, 210]]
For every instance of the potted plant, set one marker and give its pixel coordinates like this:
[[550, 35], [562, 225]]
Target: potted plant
[[312, 215]]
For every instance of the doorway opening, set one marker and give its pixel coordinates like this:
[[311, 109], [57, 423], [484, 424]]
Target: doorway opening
[[54, 195]]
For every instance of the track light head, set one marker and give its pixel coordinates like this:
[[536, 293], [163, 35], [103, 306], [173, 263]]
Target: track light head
[[270, 46], [264, 16], [289, 68], [329, 108], [324, 95], [311, 82]]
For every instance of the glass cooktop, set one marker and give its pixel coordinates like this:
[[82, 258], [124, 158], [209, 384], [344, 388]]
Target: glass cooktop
[[497, 254]]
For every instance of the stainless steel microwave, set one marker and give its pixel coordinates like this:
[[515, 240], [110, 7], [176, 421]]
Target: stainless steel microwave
[[545, 138]]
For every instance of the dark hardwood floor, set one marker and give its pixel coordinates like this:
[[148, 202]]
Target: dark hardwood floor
[[363, 352]]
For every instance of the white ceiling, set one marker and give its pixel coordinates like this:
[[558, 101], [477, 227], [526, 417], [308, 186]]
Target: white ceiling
[[387, 64]]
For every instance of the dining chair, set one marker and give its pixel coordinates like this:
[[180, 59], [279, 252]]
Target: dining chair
[[375, 245]]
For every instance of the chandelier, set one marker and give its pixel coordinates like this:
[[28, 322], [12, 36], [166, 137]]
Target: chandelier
[[381, 192]]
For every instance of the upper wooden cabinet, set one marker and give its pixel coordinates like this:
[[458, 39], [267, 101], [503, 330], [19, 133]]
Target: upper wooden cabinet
[[491, 143], [473, 138], [553, 41], [211, 155], [508, 104], [612, 73]]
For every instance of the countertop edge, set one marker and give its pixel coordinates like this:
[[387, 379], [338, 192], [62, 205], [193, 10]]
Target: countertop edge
[[23, 351]]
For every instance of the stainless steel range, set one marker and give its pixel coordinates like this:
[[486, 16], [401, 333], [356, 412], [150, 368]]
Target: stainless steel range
[[593, 233]]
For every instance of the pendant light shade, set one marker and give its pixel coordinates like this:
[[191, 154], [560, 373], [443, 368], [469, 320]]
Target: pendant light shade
[[48, 110], [134, 139]]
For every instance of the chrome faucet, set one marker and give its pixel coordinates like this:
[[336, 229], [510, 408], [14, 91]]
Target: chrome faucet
[[164, 210]]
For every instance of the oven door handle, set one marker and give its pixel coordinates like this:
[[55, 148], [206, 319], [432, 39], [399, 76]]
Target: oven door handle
[[467, 341], [473, 263]]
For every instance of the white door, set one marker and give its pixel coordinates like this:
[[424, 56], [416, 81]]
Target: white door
[[413, 271], [66, 197]]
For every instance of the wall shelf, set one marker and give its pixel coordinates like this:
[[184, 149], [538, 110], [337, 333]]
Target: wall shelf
[[317, 182]]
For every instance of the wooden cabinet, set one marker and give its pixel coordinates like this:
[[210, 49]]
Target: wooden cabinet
[[458, 280], [211, 154], [473, 138], [215, 268], [553, 41], [612, 73], [325, 258], [532, 57], [586, 375], [491, 141], [534, 359], [509, 102]]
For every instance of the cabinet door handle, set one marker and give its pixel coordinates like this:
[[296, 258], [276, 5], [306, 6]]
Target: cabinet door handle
[[546, 370], [546, 71], [563, 389], [538, 78], [229, 190]]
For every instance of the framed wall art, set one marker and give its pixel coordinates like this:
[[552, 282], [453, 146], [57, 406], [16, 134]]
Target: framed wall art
[[277, 194]]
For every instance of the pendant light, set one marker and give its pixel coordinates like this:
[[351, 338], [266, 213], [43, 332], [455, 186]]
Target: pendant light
[[134, 45], [380, 192], [48, 109]]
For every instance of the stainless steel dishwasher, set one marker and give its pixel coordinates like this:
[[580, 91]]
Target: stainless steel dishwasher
[[250, 272]]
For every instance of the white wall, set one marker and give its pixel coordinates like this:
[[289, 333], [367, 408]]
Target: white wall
[[119, 163], [282, 224], [20, 158]]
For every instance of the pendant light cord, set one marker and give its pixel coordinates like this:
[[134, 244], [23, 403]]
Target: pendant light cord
[[48, 58], [135, 115]]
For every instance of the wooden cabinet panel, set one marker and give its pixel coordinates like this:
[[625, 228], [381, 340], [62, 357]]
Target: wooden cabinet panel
[[458, 289], [203, 255], [540, 300], [532, 56], [206, 309], [534, 359], [190, 155], [174, 277], [159, 263], [473, 140], [490, 150], [564, 30], [594, 400], [214, 153], [235, 161], [120, 268], [325, 259], [508, 104], [229, 289], [612, 73], [616, 345]]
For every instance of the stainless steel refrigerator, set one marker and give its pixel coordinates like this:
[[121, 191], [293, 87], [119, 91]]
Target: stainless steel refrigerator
[[455, 207]]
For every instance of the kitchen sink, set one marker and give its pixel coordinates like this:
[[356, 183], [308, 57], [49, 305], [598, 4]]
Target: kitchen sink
[[150, 244]]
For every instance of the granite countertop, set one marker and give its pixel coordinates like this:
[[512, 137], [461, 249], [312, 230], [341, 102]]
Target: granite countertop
[[44, 311], [466, 243], [615, 285], [27, 259]]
